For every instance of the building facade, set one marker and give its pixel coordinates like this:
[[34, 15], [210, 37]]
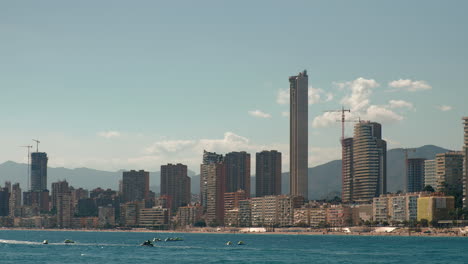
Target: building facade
[[135, 185], [176, 184], [216, 187], [268, 173], [415, 175], [369, 162], [237, 171], [449, 171], [208, 158], [430, 176], [347, 170], [298, 131], [39, 171], [465, 161]]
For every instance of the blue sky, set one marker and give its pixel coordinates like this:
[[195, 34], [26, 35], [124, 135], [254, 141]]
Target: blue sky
[[136, 84]]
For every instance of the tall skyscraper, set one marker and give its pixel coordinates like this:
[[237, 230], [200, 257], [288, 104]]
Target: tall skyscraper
[[39, 171], [465, 162], [176, 184], [268, 173], [208, 158], [298, 139], [135, 185], [430, 177], [347, 170], [415, 175], [449, 171], [58, 188], [4, 201], [369, 161], [216, 187], [15, 199], [237, 172]]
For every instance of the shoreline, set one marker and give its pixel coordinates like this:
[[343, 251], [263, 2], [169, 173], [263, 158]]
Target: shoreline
[[441, 233]]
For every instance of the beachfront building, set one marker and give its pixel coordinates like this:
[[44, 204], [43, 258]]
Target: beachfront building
[[175, 184], [338, 215], [361, 213], [189, 215], [395, 208], [130, 213], [156, 217], [106, 216], [449, 171], [245, 213], [268, 173], [435, 208], [272, 210], [135, 185]]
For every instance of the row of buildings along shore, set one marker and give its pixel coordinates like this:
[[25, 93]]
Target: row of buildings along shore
[[434, 189]]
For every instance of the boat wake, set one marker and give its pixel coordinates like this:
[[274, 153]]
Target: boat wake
[[19, 242]]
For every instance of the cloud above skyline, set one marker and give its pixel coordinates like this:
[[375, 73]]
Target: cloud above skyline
[[409, 85], [259, 113], [109, 134], [444, 108]]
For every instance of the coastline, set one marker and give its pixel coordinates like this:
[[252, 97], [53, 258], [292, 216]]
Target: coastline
[[448, 232]]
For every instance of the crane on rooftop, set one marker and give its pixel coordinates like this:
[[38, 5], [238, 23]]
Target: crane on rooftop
[[37, 144], [343, 117]]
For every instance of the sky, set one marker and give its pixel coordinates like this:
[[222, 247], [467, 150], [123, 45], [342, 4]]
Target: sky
[[137, 84]]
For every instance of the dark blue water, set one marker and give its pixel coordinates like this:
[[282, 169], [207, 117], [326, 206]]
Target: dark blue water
[[122, 247]]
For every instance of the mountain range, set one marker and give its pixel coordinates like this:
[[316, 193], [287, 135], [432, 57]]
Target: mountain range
[[324, 180]]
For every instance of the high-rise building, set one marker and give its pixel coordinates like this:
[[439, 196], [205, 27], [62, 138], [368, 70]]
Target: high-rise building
[[415, 175], [347, 170], [298, 139], [231, 199], [216, 187], [135, 185], [15, 199], [208, 158], [64, 210], [449, 171], [430, 176], [4, 201], [58, 188], [465, 162], [176, 184], [39, 171], [369, 161], [237, 172], [268, 173]]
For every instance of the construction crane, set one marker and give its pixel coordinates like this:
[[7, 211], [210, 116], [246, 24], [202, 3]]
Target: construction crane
[[405, 151], [342, 111], [29, 155], [37, 144]]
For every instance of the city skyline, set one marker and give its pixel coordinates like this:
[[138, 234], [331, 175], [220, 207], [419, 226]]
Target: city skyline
[[97, 94]]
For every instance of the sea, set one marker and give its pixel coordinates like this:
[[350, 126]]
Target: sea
[[124, 247]]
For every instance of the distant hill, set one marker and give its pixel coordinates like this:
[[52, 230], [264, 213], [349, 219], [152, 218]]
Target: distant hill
[[324, 180]]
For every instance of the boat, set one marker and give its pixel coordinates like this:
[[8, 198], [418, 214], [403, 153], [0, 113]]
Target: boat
[[68, 241], [156, 239], [240, 243], [45, 242], [171, 239], [228, 243], [147, 243]]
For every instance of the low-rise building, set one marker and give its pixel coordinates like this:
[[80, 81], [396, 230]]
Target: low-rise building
[[189, 215], [156, 217], [434, 208]]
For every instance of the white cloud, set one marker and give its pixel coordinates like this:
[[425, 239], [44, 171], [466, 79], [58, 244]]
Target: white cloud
[[361, 90], [444, 108], [409, 85], [400, 104], [283, 97], [358, 100], [382, 114], [258, 113], [285, 114], [315, 95], [109, 134]]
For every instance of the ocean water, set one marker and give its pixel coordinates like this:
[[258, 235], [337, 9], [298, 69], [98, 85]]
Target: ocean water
[[123, 247]]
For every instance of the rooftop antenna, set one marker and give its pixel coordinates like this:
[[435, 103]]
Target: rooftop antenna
[[37, 144], [29, 168]]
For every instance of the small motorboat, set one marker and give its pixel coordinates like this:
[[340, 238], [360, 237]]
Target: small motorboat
[[45, 242], [172, 239], [147, 243], [228, 243], [156, 239], [68, 241], [240, 243]]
